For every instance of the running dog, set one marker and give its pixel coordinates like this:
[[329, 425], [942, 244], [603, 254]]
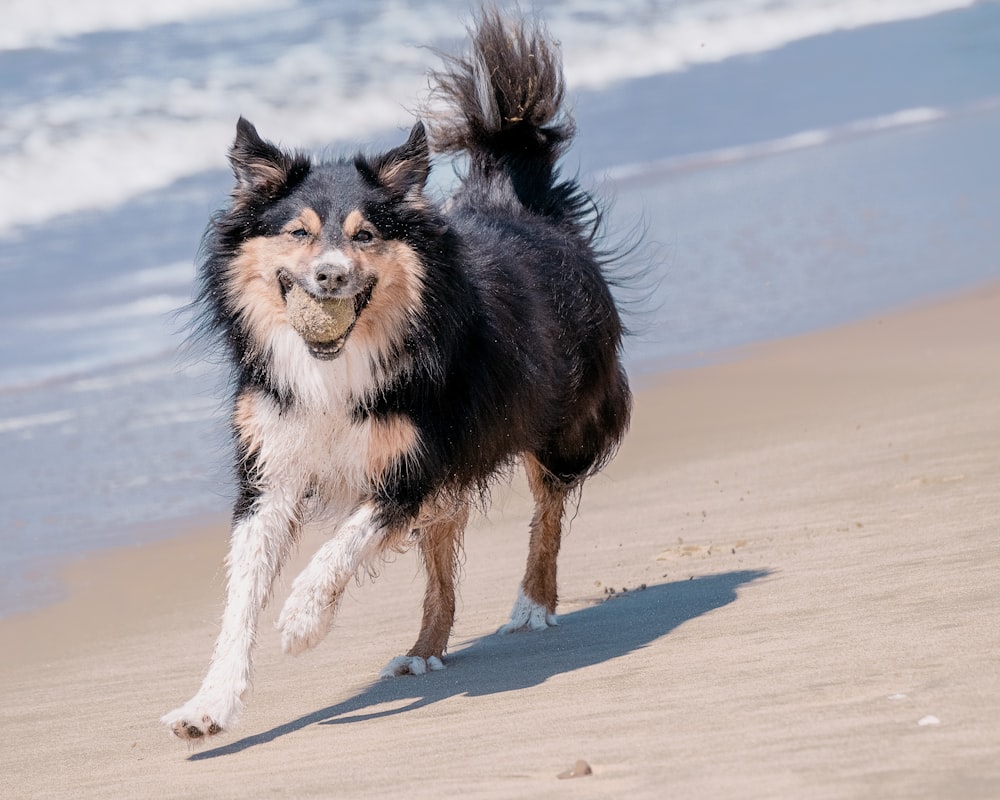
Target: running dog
[[470, 336]]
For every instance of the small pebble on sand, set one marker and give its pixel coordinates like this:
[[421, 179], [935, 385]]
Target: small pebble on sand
[[580, 768]]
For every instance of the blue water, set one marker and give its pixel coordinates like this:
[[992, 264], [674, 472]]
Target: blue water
[[792, 169]]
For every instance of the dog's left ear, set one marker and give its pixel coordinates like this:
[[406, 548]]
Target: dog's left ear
[[261, 168], [403, 170]]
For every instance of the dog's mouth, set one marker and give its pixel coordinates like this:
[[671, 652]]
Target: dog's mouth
[[324, 323], [326, 351]]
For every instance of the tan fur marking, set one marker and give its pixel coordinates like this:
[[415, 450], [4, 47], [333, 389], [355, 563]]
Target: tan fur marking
[[389, 441], [307, 219], [546, 534], [252, 282], [265, 174], [388, 174], [440, 544], [354, 222], [245, 422], [397, 294]]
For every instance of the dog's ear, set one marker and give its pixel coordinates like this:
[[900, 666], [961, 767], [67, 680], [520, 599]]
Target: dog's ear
[[261, 168], [403, 170]]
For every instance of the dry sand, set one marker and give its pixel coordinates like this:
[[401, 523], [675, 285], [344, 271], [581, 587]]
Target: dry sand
[[808, 534]]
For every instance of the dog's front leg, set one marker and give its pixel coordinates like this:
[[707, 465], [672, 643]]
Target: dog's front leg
[[442, 525], [261, 542], [310, 608]]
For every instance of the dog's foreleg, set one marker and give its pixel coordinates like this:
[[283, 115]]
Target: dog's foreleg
[[440, 542], [535, 606], [260, 544], [310, 608]]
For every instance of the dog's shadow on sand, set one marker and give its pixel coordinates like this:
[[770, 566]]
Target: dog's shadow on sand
[[493, 664]]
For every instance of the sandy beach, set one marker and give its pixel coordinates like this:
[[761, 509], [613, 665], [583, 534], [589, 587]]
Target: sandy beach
[[784, 586]]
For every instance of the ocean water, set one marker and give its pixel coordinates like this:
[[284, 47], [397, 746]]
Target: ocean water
[[794, 163]]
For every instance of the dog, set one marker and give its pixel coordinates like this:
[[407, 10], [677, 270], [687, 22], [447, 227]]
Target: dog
[[482, 332]]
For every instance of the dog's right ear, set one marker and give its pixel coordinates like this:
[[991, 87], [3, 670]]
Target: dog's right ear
[[261, 168], [402, 171]]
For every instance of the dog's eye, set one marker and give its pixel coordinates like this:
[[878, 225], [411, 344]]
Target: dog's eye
[[363, 236], [300, 233]]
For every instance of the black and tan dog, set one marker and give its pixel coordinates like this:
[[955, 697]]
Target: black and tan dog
[[479, 334]]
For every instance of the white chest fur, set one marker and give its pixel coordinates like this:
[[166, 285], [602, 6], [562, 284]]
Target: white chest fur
[[314, 445]]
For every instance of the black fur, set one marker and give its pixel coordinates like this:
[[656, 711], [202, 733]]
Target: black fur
[[517, 348], [482, 332]]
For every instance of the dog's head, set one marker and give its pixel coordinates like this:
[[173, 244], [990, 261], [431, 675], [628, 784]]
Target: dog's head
[[336, 230]]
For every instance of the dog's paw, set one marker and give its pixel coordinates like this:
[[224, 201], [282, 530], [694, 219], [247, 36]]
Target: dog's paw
[[527, 615], [198, 720], [303, 624], [410, 665]]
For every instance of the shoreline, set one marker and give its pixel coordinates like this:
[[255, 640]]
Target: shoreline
[[801, 544], [67, 573], [62, 575]]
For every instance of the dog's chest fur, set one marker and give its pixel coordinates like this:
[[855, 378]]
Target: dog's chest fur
[[316, 443]]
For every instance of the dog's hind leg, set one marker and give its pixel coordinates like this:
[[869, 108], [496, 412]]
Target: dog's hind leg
[[261, 541], [440, 542], [535, 607], [308, 612]]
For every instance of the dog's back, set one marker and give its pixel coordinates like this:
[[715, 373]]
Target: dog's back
[[532, 237]]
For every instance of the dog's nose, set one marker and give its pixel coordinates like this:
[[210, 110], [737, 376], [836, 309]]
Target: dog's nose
[[333, 273], [332, 276]]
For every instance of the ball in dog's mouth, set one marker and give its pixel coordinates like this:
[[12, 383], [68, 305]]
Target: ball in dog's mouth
[[322, 324]]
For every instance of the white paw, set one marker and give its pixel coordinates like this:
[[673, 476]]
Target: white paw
[[410, 665], [303, 622], [528, 615], [201, 717]]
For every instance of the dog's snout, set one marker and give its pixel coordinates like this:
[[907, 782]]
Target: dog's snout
[[332, 276], [333, 273]]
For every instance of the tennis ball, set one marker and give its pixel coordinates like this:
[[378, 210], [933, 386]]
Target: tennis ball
[[318, 320]]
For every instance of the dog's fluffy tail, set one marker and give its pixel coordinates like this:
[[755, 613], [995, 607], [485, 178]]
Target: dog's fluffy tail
[[501, 104]]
